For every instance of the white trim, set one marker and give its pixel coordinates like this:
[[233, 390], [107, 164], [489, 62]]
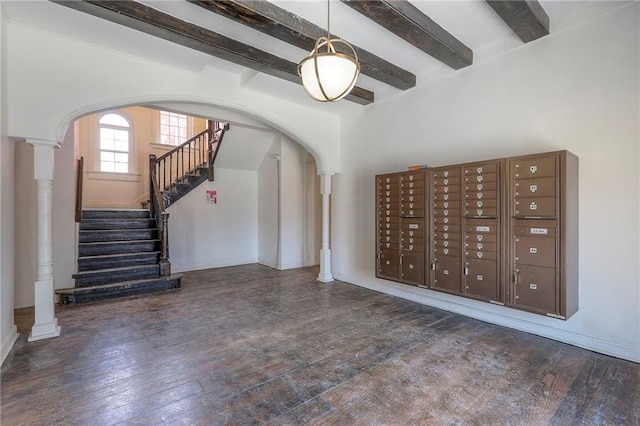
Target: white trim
[[115, 176], [492, 314], [221, 264], [268, 263], [8, 342]]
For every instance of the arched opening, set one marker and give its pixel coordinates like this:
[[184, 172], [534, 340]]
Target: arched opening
[[235, 230]]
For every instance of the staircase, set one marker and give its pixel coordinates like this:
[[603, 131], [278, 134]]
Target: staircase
[[118, 256], [125, 253]]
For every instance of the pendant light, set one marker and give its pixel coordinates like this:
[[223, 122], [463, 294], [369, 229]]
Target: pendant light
[[329, 75]]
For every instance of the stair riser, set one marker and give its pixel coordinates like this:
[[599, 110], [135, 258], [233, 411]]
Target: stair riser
[[92, 264], [98, 278], [103, 236], [97, 295], [104, 224], [180, 190], [114, 214], [117, 248]]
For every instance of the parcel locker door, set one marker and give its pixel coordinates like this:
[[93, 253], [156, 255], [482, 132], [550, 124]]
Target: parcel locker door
[[447, 274], [535, 250], [481, 279], [535, 288], [389, 264], [412, 267]]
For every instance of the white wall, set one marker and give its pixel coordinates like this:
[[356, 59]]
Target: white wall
[[292, 205], [25, 248], [8, 334], [204, 235], [45, 99], [268, 211], [575, 90]]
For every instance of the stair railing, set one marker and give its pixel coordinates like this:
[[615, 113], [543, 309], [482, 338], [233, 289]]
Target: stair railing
[[182, 160], [79, 176], [218, 129], [161, 217]]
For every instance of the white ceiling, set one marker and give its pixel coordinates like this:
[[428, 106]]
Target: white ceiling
[[472, 21]]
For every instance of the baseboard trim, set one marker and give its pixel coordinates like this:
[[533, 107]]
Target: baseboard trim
[[8, 342], [521, 321], [222, 264]]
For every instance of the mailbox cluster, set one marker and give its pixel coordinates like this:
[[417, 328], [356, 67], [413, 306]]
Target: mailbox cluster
[[502, 231]]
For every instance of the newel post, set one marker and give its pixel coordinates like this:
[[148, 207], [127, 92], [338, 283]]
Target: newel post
[[165, 265], [152, 176]]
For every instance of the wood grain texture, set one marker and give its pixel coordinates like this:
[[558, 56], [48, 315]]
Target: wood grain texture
[[251, 345], [409, 23], [151, 21], [526, 18], [279, 23]]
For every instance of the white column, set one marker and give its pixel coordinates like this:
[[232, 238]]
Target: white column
[[325, 275], [46, 324]]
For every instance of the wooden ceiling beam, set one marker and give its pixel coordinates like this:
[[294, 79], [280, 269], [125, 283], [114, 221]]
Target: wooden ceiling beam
[[526, 18], [154, 22], [406, 21], [272, 20]]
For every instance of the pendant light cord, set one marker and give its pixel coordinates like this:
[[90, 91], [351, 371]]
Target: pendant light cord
[[328, 20]]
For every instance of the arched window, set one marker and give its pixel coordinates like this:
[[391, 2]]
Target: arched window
[[115, 133]]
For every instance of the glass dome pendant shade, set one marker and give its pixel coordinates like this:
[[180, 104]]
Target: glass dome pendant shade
[[328, 75]]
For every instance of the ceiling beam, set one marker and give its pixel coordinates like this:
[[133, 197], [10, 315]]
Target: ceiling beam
[[526, 18], [154, 22], [270, 19], [406, 21]]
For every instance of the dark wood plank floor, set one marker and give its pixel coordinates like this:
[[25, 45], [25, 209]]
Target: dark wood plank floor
[[250, 345]]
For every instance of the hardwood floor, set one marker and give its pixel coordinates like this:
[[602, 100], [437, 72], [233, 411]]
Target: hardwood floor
[[251, 345]]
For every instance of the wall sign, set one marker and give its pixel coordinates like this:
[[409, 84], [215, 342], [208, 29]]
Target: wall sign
[[212, 197]]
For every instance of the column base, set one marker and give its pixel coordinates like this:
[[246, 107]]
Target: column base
[[44, 331], [325, 275], [46, 324]]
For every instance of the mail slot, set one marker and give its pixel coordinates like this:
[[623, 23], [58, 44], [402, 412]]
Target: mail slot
[[535, 207], [470, 253], [480, 186], [480, 195], [480, 245], [480, 169], [450, 244], [443, 173], [536, 287], [486, 177], [446, 181], [534, 167], [538, 187], [481, 237], [480, 203], [446, 189], [481, 212], [446, 236], [481, 279], [446, 220], [440, 212], [535, 250], [449, 196]]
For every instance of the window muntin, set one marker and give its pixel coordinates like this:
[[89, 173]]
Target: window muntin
[[173, 128], [115, 133]]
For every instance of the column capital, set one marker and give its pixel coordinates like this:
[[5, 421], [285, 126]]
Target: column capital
[[43, 158], [325, 182], [43, 143]]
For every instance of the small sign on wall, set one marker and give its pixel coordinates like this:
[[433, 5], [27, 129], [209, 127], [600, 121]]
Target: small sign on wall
[[212, 197]]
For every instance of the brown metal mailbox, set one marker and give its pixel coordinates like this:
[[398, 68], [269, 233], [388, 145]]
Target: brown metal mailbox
[[535, 288], [479, 169], [412, 268], [448, 172], [479, 179], [480, 254], [538, 187], [535, 207], [534, 167], [447, 273], [481, 186], [535, 250], [450, 196], [481, 212], [446, 235], [481, 278], [389, 264], [448, 189], [487, 238], [452, 244], [480, 203], [480, 246], [447, 220]]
